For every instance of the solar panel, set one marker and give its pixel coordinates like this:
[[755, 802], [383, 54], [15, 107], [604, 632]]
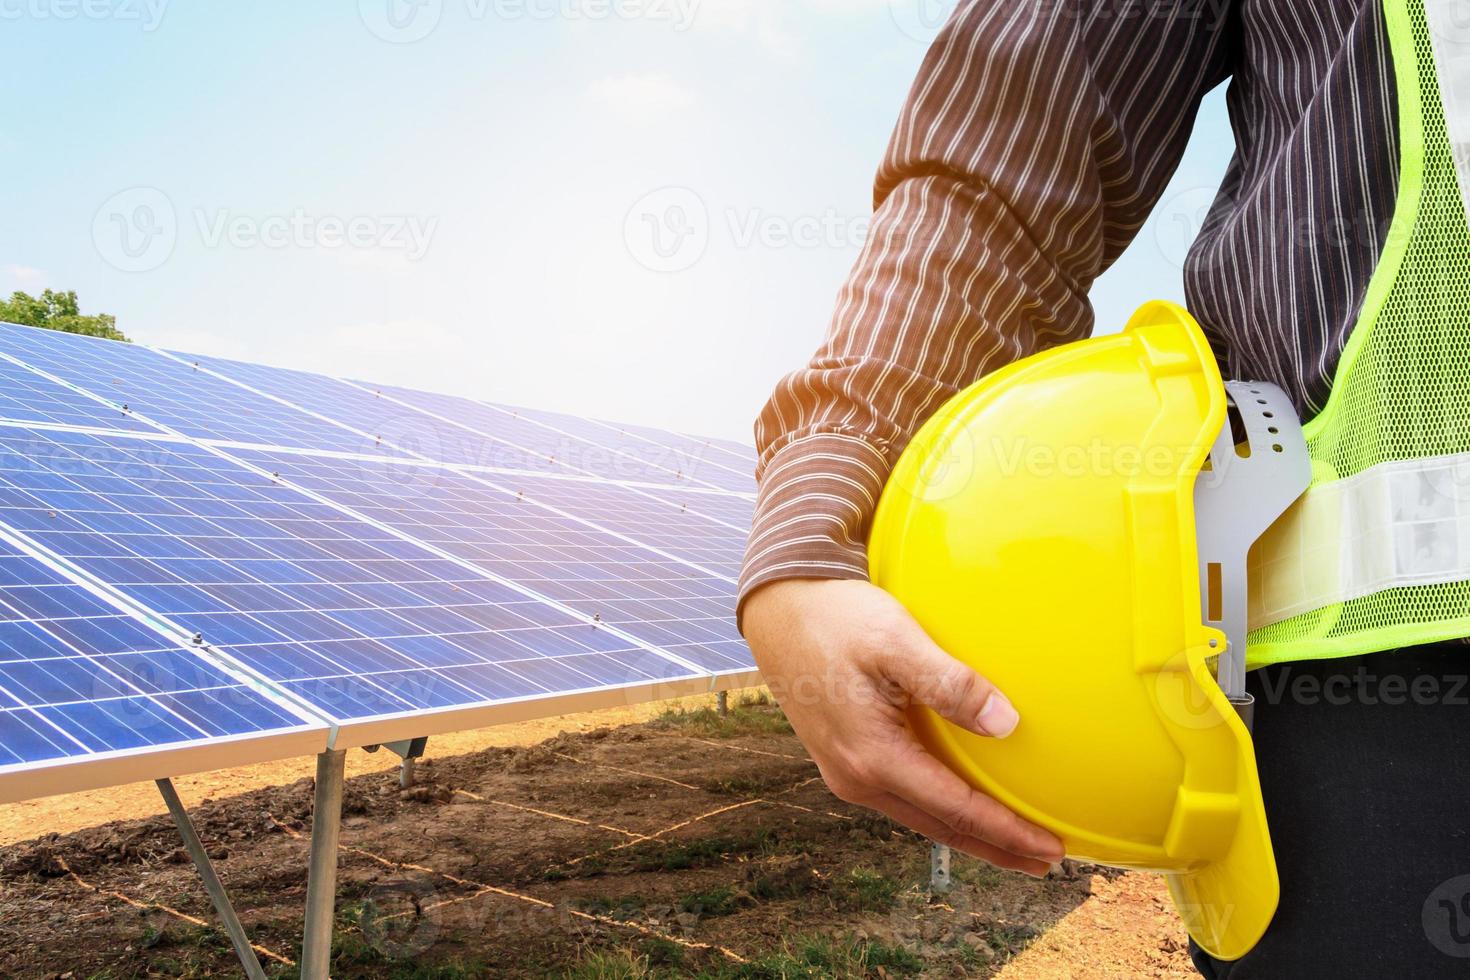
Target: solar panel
[[696, 463], [349, 616], [436, 437], [26, 396], [659, 599], [731, 455], [669, 527], [735, 511], [83, 684], [285, 554], [551, 450], [174, 394]]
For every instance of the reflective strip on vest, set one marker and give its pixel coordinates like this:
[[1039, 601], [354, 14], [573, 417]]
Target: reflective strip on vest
[[1449, 33], [1399, 524]]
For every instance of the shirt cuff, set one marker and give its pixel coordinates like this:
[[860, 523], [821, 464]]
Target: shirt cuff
[[817, 497]]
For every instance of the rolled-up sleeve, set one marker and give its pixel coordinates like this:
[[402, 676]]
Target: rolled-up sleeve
[[1033, 144]]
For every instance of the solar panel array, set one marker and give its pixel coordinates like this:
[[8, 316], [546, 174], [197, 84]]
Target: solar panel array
[[199, 552]]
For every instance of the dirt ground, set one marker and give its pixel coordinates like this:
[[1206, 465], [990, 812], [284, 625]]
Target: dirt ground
[[684, 844]]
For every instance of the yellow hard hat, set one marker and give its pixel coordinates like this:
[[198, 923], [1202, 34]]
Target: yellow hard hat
[[1041, 527]]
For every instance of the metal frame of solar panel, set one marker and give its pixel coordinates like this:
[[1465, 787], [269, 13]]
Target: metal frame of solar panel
[[205, 562]]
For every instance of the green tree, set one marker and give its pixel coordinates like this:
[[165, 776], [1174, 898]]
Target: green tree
[[58, 311]]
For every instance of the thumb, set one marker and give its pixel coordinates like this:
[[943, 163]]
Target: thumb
[[930, 676]]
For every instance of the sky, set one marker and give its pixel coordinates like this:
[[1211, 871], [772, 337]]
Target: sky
[[638, 210]]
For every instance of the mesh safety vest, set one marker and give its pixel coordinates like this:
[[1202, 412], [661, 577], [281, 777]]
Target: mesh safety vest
[[1376, 554]]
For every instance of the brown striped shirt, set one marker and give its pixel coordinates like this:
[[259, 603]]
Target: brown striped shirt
[[1036, 139]]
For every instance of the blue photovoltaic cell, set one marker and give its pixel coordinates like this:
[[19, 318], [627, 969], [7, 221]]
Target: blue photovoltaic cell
[[687, 459], [175, 394], [504, 453], [725, 452], [25, 396], [669, 527], [410, 429], [78, 678], [350, 617], [734, 511], [659, 600], [546, 449]]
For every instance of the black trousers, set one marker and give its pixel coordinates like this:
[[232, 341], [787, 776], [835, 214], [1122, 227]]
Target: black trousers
[[1365, 767]]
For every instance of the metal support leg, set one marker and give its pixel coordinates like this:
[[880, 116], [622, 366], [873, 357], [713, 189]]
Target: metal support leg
[[321, 882], [939, 869], [405, 773], [212, 884], [723, 701]]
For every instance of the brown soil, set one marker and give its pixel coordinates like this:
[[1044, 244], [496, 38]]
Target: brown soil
[[686, 846]]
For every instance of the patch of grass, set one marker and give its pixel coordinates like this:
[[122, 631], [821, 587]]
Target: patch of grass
[[719, 901], [823, 957], [865, 890], [622, 964], [662, 952], [683, 855], [754, 715], [744, 785], [812, 957]]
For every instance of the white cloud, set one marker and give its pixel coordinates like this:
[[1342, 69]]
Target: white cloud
[[24, 274], [641, 97]]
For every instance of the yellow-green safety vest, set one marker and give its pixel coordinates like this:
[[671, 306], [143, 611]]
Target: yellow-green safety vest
[[1376, 554]]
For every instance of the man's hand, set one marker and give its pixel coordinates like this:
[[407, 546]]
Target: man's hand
[[845, 660]]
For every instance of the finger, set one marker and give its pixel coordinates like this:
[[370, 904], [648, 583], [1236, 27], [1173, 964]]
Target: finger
[[931, 827], [930, 676], [923, 781]]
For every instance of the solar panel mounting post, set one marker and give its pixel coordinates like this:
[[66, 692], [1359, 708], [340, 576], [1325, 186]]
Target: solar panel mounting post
[[321, 881], [212, 884]]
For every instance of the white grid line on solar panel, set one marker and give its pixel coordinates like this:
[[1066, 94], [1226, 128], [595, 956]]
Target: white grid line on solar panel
[[297, 590], [409, 429], [412, 461], [171, 394], [538, 441], [403, 475], [688, 457], [28, 397], [707, 450], [730, 453], [734, 511], [658, 600], [638, 517], [78, 677], [719, 506]]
